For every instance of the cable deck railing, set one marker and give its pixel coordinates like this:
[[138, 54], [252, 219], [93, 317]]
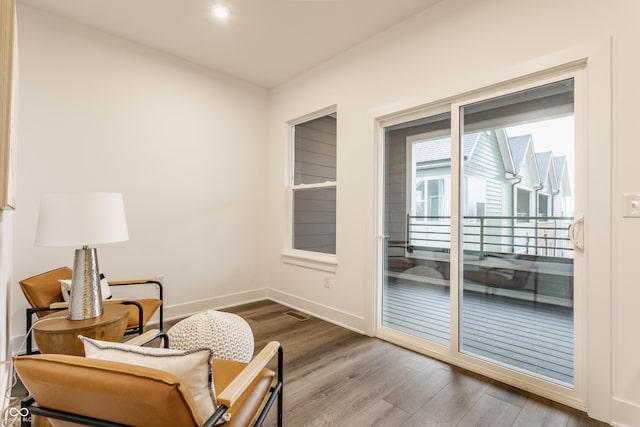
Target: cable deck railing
[[537, 235]]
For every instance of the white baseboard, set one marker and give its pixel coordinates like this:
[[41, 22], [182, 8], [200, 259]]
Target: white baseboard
[[178, 311], [337, 317], [624, 413]]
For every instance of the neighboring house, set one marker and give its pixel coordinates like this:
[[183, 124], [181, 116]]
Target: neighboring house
[[548, 182], [528, 177], [485, 166], [503, 177], [559, 202]]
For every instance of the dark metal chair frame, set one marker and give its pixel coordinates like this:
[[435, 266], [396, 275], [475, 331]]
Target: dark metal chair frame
[[275, 392], [139, 329]]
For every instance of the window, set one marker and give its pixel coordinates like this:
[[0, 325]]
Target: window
[[429, 199], [420, 199], [476, 196], [313, 186], [435, 197], [543, 205], [523, 204]]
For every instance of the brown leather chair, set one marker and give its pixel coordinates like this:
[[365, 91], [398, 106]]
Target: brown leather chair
[[84, 391], [44, 294]]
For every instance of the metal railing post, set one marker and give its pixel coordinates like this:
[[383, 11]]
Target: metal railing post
[[481, 255]]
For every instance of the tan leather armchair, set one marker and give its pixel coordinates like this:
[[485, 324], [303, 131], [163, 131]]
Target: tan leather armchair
[[44, 294], [84, 391]]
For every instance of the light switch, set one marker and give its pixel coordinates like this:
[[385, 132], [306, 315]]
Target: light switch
[[631, 207]]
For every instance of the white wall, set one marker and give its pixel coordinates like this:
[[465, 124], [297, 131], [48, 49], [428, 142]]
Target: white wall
[[454, 47], [185, 146]]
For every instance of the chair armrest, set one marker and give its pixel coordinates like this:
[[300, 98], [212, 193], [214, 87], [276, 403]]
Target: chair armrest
[[115, 300], [132, 282], [144, 338], [139, 282], [234, 390], [149, 336], [63, 305], [59, 306]]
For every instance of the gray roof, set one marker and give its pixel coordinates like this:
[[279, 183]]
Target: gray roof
[[558, 163], [544, 164], [518, 146], [439, 150]]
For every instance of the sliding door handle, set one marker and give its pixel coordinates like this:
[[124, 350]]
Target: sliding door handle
[[574, 230]]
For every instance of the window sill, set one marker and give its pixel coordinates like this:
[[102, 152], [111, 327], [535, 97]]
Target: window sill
[[312, 260]]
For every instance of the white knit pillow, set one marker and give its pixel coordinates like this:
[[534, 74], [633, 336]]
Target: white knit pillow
[[192, 367]]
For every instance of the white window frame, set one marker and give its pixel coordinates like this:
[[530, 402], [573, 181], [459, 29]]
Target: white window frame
[[309, 259]]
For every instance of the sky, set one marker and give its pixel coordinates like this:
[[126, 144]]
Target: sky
[[555, 135]]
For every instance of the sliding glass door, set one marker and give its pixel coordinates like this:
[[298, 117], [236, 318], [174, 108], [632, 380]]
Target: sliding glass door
[[478, 203], [417, 227], [516, 301]]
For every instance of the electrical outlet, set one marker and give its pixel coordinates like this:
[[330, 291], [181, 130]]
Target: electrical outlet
[[631, 208], [327, 281], [159, 278]]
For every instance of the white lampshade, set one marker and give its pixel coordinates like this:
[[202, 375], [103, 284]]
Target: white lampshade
[[81, 219]]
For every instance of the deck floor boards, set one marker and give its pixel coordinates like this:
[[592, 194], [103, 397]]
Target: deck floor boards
[[535, 338]]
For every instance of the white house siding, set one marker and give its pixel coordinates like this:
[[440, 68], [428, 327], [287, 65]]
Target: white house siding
[[486, 163]]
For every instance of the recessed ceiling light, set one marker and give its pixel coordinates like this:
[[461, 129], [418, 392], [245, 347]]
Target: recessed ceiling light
[[221, 11]]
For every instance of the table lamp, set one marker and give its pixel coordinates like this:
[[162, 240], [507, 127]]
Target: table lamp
[[82, 219]]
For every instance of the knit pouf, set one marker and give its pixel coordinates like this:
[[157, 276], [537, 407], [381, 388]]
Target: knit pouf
[[226, 334]]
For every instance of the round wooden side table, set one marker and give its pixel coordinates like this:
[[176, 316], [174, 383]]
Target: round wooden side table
[[55, 333]]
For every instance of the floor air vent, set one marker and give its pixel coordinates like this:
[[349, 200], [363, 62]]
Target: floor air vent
[[297, 315]]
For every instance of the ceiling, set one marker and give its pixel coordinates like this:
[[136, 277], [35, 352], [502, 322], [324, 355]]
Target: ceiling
[[265, 42]]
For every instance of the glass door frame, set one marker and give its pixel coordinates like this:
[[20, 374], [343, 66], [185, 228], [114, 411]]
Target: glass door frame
[[575, 396]]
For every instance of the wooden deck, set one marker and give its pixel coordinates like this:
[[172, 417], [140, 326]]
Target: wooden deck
[[532, 338]]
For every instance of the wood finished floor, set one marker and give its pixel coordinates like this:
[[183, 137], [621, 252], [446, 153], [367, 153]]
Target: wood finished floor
[[335, 377]]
